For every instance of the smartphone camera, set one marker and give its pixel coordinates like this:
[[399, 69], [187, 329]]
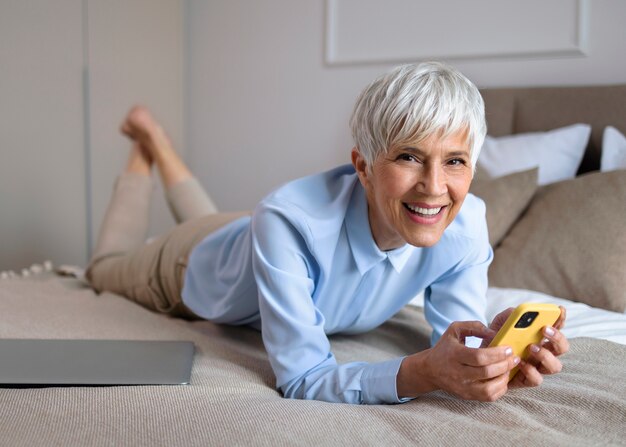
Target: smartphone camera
[[526, 319]]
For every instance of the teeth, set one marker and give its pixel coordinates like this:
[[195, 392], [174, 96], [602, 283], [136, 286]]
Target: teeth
[[425, 211]]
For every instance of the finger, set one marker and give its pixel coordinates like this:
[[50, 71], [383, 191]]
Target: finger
[[491, 371], [490, 390], [558, 343], [484, 356], [489, 338], [546, 360], [528, 375], [560, 322], [487, 390], [486, 342], [499, 320], [464, 329]]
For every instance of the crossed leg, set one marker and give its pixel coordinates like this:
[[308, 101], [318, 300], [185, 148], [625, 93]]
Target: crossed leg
[[185, 196], [150, 274]]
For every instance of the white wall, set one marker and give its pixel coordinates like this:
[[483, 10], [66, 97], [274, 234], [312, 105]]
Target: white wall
[[42, 181], [136, 56], [69, 72], [263, 107], [242, 87]]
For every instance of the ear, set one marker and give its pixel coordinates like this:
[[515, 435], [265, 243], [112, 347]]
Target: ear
[[360, 165]]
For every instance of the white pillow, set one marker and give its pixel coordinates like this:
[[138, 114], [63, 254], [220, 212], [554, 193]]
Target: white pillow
[[613, 150], [557, 153]]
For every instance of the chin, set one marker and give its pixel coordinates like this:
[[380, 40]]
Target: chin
[[424, 240], [420, 234]]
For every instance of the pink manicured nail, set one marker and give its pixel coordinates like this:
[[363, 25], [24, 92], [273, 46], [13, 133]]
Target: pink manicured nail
[[534, 348], [516, 360], [508, 351], [549, 331]]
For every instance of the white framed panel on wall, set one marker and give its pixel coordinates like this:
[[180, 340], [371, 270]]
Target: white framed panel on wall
[[383, 31]]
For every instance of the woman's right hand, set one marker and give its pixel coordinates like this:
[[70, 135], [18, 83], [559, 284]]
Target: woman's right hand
[[469, 373]]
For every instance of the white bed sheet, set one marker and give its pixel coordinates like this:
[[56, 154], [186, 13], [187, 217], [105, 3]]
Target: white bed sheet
[[582, 320]]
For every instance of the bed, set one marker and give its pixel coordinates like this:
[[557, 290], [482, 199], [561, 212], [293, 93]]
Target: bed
[[231, 399]]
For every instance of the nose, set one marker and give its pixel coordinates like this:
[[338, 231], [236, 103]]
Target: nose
[[433, 180]]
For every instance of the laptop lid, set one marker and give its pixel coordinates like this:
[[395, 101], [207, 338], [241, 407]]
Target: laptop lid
[[95, 362]]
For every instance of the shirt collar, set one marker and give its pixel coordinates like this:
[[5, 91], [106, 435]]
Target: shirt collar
[[364, 249]]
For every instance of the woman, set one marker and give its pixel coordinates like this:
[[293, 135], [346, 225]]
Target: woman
[[341, 251]]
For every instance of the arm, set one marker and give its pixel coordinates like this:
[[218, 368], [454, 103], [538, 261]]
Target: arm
[[459, 295], [480, 374], [293, 328], [299, 351]]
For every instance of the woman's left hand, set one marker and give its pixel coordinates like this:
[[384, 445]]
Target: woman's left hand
[[542, 358]]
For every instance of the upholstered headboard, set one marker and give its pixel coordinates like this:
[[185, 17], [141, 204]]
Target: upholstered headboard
[[518, 110]]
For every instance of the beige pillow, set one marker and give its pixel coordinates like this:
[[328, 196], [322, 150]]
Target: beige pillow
[[571, 243], [506, 198]]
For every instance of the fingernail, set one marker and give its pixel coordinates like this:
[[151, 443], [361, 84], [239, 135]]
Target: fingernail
[[534, 348], [516, 360], [508, 351], [544, 341], [549, 331]]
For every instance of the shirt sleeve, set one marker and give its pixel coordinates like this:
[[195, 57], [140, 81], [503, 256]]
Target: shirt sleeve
[[293, 328], [461, 293]]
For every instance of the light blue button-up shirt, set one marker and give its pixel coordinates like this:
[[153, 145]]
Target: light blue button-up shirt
[[306, 265]]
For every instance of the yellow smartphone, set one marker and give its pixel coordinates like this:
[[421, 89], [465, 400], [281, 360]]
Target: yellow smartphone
[[524, 327]]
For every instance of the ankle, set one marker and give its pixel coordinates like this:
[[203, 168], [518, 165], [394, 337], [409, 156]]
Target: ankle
[[137, 165], [137, 169], [138, 161]]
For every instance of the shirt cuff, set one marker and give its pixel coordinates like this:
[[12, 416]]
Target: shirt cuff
[[378, 382]]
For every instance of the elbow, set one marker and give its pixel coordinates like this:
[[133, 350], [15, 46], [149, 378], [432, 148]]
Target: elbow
[[294, 389], [307, 388]]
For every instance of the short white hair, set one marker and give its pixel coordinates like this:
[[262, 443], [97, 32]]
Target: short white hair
[[413, 102]]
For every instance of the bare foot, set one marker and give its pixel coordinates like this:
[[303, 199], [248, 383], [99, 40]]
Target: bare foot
[[139, 125], [142, 128]]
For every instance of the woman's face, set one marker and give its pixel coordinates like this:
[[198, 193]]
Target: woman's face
[[415, 191]]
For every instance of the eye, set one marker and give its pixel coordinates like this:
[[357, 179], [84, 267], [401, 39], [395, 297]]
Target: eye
[[457, 162], [406, 157]]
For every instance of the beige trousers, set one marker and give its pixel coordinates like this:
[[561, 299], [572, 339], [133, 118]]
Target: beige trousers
[[151, 274]]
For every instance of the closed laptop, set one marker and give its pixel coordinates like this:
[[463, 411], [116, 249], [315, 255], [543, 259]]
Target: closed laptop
[[26, 362]]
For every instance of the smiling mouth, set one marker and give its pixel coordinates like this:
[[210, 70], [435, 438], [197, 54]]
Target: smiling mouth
[[424, 212]]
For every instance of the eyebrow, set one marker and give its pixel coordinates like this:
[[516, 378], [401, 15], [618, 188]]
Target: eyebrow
[[452, 153]]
